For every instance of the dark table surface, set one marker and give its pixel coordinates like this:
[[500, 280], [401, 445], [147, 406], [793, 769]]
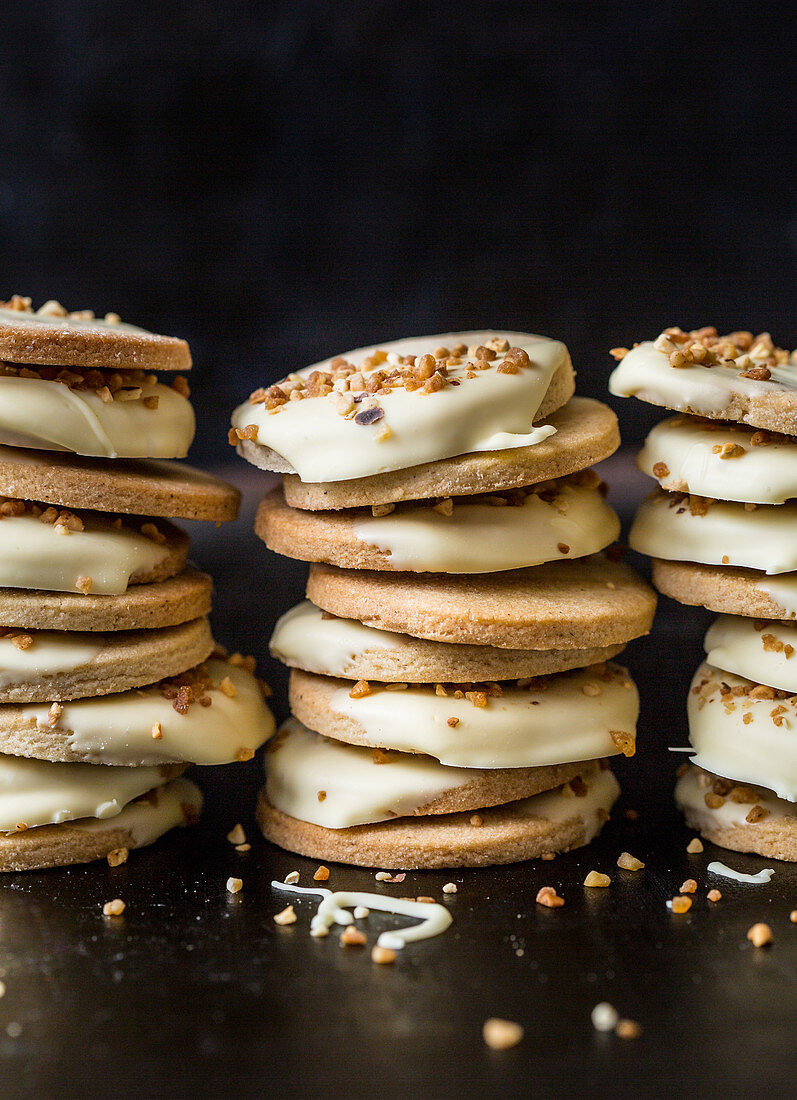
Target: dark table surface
[[196, 993]]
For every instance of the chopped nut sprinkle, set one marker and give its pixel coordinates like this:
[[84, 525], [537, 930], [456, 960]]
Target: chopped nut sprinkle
[[681, 904], [157, 731], [234, 886], [477, 820], [629, 863], [321, 874], [689, 887], [694, 846], [548, 897], [291, 878], [627, 1029], [714, 895], [596, 879], [113, 908], [450, 888], [286, 916], [501, 1034], [352, 937], [382, 955], [117, 857], [360, 690], [760, 935], [236, 835]]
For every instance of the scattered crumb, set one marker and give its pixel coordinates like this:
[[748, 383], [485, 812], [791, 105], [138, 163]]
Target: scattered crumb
[[286, 916], [236, 835], [117, 857], [383, 876], [714, 895], [113, 908], [547, 856], [629, 863], [291, 878], [451, 888], [477, 820], [760, 935], [501, 1034], [234, 885], [680, 904], [361, 912], [243, 847], [695, 845], [595, 878], [321, 874], [604, 1017], [688, 887], [383, 955], [627, 1029], [352, 937], [793, 916], [548, 896]]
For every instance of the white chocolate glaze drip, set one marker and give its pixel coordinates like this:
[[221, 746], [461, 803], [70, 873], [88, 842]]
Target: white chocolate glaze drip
[[52, 417], [490, 412], [177, 803], [482, 538], [764, 875]]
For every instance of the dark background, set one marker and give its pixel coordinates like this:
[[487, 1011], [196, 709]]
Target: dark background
[[282, 181]]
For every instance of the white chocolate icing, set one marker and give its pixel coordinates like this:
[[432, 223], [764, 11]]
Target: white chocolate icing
[[117, 729], [761, 877], [761, 751], [359, 791], [691, 798], [491, 412], [17, 317], [36, 792], [765, 539], [303, 638], [35, 555], [52, 652], [708, 391], [52, 417], [177, 803], [783, 590], [335, 909], [762, 475], [762, 655], [522, 728], [483, 538]]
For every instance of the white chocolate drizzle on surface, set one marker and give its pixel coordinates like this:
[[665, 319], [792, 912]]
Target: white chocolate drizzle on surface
[[483, 538], [727, 534], [747, 739], [561, 718], [50, 416], [36, 792], [335, 907], [762, 876], [763, 652], [117, 729], [707, 391], [704, 458], [42, 556], [490, 412]]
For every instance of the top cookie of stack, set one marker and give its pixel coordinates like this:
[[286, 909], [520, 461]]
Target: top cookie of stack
[[440, 487], [722, 532], [103, 626]]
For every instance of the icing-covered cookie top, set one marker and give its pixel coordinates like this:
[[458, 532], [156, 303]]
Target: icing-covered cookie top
[[758, 649], [398, 405]]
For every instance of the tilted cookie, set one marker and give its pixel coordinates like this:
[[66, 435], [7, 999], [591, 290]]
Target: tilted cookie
[[586, 433], [306, 637], [355, 828], [213, 714], [548, 522], [42, 548], [405, 403], [761, 823], [724, 461], [577, 716], [41, 666], [727, 590], [52, 815], [680, 527], [562, 605], [136, 487], [178, 599], [54, 336], [744, 730], [738, 377]]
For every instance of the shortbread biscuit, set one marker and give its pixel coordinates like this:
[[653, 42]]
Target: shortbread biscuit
[[407, 403], [47, 666], [577, 716], [140, 823], [131, 486], [179, 599], [562, 605], [728, 590], [510, 833], [586, 433], [306, 637], [555, 520], [51, 336], [761, 824], [739, 377]]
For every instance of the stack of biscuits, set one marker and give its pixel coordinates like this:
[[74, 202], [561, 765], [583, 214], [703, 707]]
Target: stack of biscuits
[[110, 682], [722, 532], [452, 691]]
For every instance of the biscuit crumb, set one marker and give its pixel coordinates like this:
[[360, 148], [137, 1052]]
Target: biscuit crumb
[[113, 908], [54, 713], [629, 863], [501, 1034], [477, 820], [760, 935], [547, 856], [117, 857]]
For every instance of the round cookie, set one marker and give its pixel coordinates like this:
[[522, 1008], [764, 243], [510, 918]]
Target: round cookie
[[591, 602], [51, 336], [143, 487], [179, 599], [584, 715], [510, 833], [728, 590], [44, 666], [568, 518], [737, 377], [306, 637], [213, 714], [406, 403], [772, 834], [84, 552], [141, 822], [586, 433]]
